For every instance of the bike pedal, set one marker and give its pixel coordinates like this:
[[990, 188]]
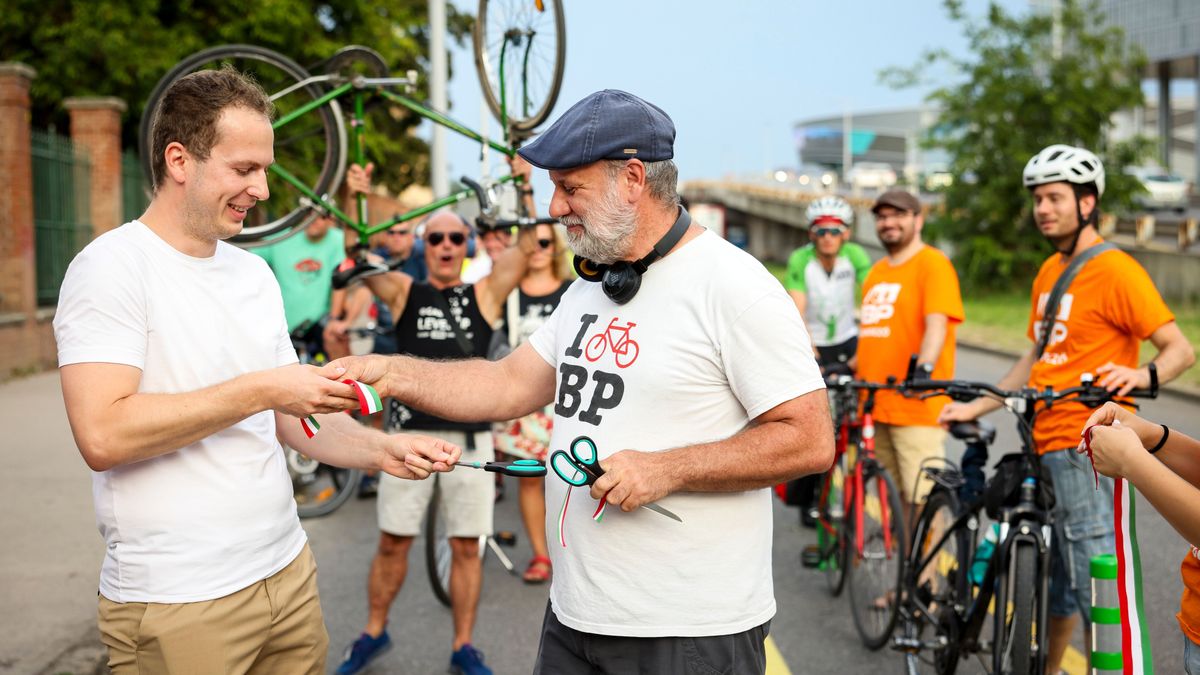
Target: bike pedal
[[810, 557], [506, 538]]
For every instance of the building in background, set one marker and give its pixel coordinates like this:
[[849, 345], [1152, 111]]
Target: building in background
[[890, 137], [1168, 32]]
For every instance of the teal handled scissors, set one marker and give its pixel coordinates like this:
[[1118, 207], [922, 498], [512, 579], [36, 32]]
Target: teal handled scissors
[[582, 467], [521, 467]]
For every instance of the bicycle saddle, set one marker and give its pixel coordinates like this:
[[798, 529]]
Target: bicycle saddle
[[361, 270], [978, 431]]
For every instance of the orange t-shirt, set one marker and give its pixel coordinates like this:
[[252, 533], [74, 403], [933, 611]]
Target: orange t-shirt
[[1189, 604], [1110, 307], [896, 299]]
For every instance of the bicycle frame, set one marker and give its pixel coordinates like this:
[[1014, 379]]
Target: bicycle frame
[[867, 445], [358, 86]]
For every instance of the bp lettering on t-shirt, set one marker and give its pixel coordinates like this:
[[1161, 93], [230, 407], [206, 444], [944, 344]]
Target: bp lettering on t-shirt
[[1059, 333], [879, 305], [611, 349]]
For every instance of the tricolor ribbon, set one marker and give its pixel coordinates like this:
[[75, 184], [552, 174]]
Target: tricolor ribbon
[[1135, 634], [368, 398], [369, 403], [310, 426]]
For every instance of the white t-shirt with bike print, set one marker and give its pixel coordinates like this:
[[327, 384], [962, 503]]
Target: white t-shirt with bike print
[[708, 344]]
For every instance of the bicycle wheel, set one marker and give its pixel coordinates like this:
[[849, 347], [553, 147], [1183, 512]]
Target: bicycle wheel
[[831, 540], [531, 34], [876, 570], [941, 584], [1015, 639], [312, 147], [319, 489], [437, 550]]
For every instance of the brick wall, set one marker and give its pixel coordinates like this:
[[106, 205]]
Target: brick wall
[[26, 332]]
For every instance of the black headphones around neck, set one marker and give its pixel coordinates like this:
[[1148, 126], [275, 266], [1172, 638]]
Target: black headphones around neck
[[622, 279]]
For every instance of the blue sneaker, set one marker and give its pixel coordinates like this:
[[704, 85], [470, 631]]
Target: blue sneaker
[[364, 650], [468, 661]]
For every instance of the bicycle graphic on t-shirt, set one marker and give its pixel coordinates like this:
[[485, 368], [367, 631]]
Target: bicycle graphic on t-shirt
[[625, 349]]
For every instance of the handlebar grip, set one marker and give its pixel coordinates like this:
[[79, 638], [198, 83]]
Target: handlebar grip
[[480, 193]]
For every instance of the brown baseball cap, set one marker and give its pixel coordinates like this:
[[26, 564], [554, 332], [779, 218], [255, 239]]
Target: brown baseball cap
[[897, 199]]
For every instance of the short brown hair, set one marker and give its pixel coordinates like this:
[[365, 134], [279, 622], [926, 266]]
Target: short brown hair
[[192, 105]]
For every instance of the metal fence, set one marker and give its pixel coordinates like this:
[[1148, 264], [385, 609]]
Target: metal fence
[[135, 189], [62, 226]]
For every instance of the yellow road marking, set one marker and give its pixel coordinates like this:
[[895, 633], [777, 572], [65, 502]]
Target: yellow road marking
[[1074, 662], [775, 663]]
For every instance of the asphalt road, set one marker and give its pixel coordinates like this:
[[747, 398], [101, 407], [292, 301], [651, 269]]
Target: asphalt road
[[50, 562]]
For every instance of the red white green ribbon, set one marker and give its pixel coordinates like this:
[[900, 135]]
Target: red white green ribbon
[[562, 519], [1135, 634], [368, 398], [369, 403], [310, 426]]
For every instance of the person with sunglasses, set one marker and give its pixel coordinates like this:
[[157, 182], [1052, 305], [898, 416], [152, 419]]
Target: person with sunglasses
[[440, 318], [528, 437], [823, 279]]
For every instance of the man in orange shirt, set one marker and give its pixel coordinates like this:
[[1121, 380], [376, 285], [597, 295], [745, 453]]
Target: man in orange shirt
[[911, 305], [1108, 309]]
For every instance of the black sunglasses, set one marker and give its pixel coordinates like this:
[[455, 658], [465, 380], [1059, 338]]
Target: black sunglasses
[[398, 233], [545, 243], [828, 231], [436, 238]]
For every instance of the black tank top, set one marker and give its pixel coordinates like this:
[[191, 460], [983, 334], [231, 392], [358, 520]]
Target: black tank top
[[424, 331]]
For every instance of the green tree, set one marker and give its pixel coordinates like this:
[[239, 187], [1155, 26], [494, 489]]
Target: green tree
[[1011, 97], [122, 47]]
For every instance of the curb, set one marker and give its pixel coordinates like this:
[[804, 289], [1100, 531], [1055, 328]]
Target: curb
[[1189, 394]]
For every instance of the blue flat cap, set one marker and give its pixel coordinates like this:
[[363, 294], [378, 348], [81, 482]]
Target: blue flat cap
[[609, 124]]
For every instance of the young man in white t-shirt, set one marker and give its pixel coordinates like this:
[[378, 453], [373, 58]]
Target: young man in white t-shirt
[[178, 373], [698, 389]]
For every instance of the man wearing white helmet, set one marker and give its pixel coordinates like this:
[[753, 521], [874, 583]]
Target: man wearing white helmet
[[1105, 312], [823, 278]]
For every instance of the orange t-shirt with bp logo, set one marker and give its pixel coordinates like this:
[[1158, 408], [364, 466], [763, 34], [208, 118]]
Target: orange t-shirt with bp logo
[[896, 299], [1110, 307], [1189, 605]]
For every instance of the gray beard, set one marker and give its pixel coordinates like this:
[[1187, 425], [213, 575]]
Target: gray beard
[[607, 243]]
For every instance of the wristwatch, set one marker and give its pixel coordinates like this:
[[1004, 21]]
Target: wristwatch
[[923, 371]]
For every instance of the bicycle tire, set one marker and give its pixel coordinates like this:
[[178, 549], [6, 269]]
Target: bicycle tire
[[1014, 636], [318, 141], [496, 22], [874, 623], [941, 506], [831, 527], [437, 550], [321, 490]]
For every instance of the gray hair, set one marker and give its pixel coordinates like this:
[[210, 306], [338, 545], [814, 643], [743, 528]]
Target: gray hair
[[662, 178]]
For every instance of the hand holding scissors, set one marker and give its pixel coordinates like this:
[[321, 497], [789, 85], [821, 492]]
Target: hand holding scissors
[[582, 467]]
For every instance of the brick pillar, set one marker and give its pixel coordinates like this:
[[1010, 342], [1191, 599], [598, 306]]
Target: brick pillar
[[96, 127], [18, 279]]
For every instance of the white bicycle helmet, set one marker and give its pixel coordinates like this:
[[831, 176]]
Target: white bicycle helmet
[[829, 207], [1065, 163]]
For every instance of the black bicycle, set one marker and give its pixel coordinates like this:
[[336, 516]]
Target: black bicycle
[[951, 586]]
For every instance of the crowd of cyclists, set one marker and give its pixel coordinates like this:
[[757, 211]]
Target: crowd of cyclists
[[910, 304], [863, 319], [895, 319]]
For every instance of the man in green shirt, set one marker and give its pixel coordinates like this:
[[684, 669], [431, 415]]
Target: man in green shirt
[[823, 279], [304, 265]]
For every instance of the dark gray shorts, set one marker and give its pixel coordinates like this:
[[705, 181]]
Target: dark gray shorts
[[566, 651]]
